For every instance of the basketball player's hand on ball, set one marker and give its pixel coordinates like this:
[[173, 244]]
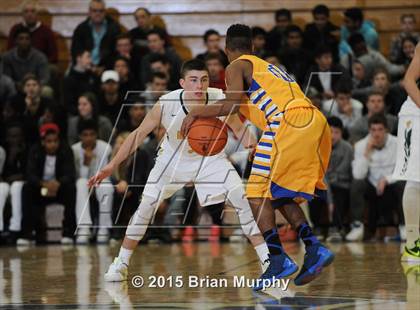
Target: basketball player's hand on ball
[[102, 174], [186, 124]]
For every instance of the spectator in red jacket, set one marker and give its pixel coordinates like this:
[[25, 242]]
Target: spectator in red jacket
[[42, 36]]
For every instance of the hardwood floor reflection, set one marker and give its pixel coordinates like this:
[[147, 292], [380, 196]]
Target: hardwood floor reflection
[[364, 276]]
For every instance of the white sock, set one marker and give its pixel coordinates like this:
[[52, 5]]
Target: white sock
[[262, 252], [411, 209], [125, 255]]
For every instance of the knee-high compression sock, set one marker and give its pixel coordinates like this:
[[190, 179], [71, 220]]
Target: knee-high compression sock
[[305, 233], [411, 198], [272, 239], [125, 255]]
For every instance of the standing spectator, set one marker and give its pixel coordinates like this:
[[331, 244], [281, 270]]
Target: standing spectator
[[156, 44], [50, 177], [31, 105], [354, 23], [12, 176], [42, 37], [259, 36], [88, 109], [408, 26], [321, 32], [127, 80], [109, 99], [276, 38], [296, 59], [343, 106], [24, 59], [124, 48], [375, 105], [80, 79], [325, 74], [373, 165], [212, 42], [96, 34], [216, 71], [139, 33], [157, 87], [369, 58], [338, 178], [90, 155]]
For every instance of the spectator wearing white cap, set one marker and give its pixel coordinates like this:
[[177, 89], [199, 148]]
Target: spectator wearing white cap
[[110, 102]]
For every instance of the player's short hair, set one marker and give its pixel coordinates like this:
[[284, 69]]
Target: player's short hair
[[378, 118], [355, 14], [283, 12], [208, 33], [87, 124], [293, 28], [321, 9], [258, 31], [335, 122], [239, 38], [193, 64]]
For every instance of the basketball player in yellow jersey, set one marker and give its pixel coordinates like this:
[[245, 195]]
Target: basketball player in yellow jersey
[[291, 157]]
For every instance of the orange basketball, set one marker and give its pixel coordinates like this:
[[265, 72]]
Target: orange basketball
[[207, 136]]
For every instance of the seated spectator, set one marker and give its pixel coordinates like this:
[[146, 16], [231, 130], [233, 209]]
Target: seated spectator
[[156, 44], [343, 106], [136, 113], [212, 41], [31, 105], [338, 177], [296, 59], [159, 63], [80, 79], [88, 109], [124, 49], [315, 97], [359, 80], [373, 165], [321, 32], [129, 180], [42, 37], [91, 155], [274, 60], [408, 46], [7, 88], [276, 38], [216, 71], [408, 26], [139, 33], [12, 176], [24, 59], [54, 113], [96, 34], [258, 41], [157, 87], [127, 80], [369, 58], [50, 177], [110, 102], [325, 74], [354, 23], [375, 105]]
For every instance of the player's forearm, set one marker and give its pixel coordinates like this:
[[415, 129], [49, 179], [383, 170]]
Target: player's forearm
[[133, 141], [220, 108], [412, 90]]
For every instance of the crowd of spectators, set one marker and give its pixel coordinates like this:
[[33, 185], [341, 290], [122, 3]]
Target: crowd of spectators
[[57, 130]]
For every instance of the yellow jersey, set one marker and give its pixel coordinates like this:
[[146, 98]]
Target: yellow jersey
[[272, 92]]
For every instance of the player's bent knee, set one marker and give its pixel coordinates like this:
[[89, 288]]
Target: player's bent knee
[[280, 202]]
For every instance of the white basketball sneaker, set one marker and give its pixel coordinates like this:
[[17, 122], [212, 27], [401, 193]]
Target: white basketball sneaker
[[356, 232], [117, 271]]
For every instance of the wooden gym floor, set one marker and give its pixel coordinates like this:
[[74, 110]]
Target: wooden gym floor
[[363, 276]]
